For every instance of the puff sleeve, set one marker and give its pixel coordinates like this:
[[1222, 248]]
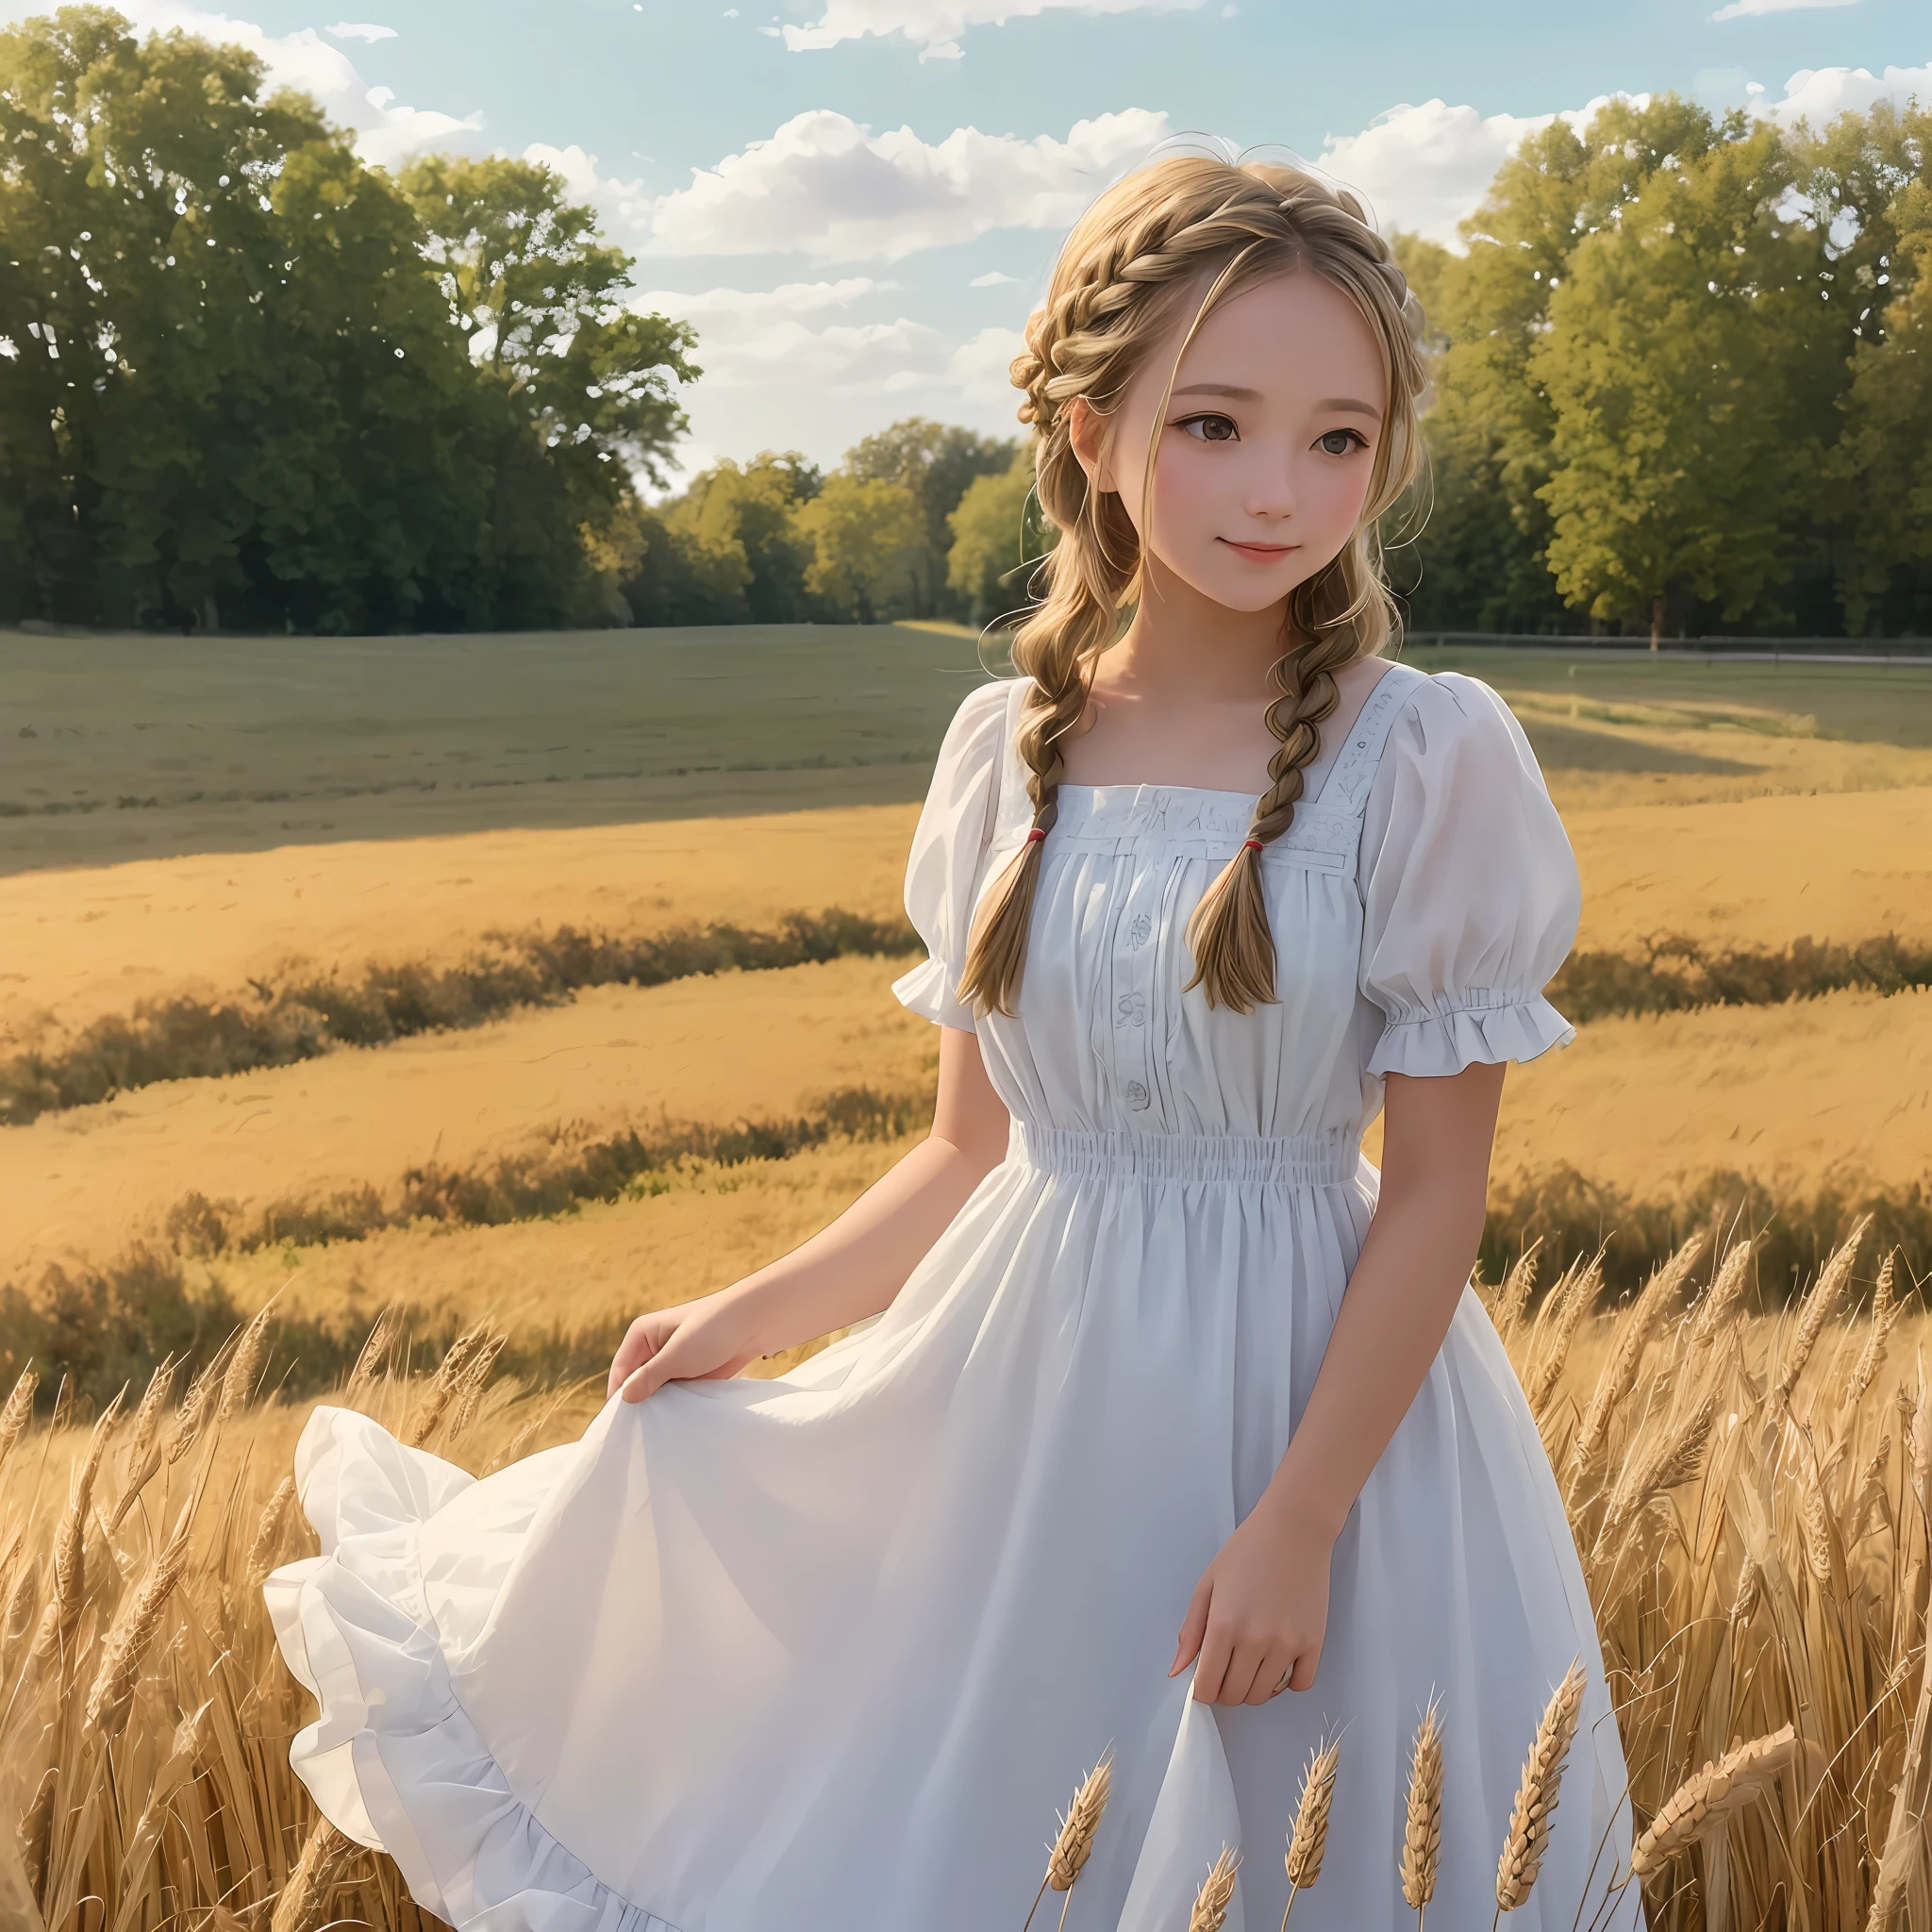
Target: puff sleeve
[[949, 846], [1469, 890]]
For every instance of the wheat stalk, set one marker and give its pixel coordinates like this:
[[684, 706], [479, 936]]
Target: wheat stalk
[[303, 1897], [1309, 1839], [1571, 1303], [144, 1448], [1706, 1800], [1075, 1840], [1422, 1834], [443, 1387], [1871, 1358], [244, 1365], [1217, 1889], [268, 1532], [132, 1634], [1633, 1333], [374, 1357], [1512, 1297], [18, 1413], [1817, 1308], [174, 1772], [70, 1546], [1528, 1835], [1726, 1291]]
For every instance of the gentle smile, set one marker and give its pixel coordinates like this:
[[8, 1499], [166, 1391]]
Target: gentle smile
[[1260, 553]]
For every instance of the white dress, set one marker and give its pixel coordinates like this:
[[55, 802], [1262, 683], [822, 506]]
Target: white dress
[[829, 1653]]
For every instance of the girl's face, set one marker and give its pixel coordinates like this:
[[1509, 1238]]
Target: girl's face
[[1267, 445]]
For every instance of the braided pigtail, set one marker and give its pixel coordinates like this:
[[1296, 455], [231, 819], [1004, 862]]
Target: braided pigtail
[[1228, 934], [1182, 235]]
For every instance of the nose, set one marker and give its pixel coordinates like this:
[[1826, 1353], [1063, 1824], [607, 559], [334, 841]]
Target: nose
[[1270, 495]]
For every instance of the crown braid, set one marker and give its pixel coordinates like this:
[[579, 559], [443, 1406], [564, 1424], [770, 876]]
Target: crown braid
[[1122, 279]]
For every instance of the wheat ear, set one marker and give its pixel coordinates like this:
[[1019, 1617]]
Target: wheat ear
[[1217, 1888], [238, 1384], [1422, 1834], [70, 1544], [1309, 1838], [1075, 1839], [268, 1532], [1536, 1796], [18, 1413], [131, 1637], [302, 1899], [1705, 1801]]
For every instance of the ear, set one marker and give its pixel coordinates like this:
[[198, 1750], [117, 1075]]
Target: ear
[[1088, 437]]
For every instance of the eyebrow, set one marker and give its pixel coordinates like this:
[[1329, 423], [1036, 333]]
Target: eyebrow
[[1351, 405]]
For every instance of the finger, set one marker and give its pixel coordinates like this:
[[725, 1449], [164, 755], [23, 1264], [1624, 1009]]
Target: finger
[[649, 1376], [1244, 1664], [1271, 1675], [1306, 1666], [638, 1345], [1193, 1626], [1210, 1672]]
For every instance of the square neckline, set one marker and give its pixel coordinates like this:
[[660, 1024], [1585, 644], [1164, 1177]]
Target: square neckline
[[1137, 787]]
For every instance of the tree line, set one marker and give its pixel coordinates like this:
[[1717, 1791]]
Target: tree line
[[1682, 364]]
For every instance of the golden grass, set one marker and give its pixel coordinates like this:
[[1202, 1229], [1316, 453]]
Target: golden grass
[[1762, 871], [1796, 1093], [92, 940], [1735, 1485], [711, 1048]]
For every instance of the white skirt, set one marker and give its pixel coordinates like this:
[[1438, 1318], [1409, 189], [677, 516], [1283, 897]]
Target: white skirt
[[832, 1650]]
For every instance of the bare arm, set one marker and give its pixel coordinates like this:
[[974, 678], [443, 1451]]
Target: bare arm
[[851, 1268], [1261, 1609]]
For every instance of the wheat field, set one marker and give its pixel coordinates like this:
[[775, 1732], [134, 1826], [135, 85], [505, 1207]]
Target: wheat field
[[543, 1172], [1751, 1497]]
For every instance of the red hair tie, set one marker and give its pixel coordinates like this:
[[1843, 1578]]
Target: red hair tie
[[1034, 835], [1251, 845]]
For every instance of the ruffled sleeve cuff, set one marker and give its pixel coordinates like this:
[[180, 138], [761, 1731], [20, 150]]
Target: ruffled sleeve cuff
[[1464, 1029], [927, 990]]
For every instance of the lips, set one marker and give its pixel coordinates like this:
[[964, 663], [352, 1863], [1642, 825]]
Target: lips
[[1260, 553]]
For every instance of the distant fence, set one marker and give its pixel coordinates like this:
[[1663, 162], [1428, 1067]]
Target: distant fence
[[1757, 650]]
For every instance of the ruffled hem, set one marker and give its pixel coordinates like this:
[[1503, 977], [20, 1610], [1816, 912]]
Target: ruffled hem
[[393, 1760], [1461, 1036], [927, 990]]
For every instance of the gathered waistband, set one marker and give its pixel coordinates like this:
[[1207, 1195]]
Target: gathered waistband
[[1296, 1160]]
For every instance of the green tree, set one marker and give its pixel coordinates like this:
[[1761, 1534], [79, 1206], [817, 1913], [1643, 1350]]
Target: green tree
[[987, 566], [541, 298], [753, 507], [935, 463], [1690, 367], [869, 543], [226, 390]]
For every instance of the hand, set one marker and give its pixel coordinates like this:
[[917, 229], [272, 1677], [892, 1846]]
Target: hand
[[699, 1340], [1259, 1610]]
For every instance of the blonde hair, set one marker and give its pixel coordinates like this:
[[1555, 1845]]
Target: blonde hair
[[1121, 283]]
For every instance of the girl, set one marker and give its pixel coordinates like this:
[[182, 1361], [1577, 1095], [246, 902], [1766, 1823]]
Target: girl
[[1166, 1427]]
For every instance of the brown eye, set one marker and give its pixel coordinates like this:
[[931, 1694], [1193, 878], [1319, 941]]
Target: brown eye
[[1211, 429], [1337, 443]]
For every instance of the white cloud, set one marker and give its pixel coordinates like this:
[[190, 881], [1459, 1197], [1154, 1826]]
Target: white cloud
[[824, 186], [1425, 168], [1749, 10], [303, 59], [361, 30], [794, 340], [992, 278], [934, 26], [1819, 94]]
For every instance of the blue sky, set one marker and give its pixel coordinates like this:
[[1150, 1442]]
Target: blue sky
[[857, 201]]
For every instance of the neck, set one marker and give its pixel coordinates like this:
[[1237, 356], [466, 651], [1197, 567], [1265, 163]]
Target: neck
[[1182, 638]]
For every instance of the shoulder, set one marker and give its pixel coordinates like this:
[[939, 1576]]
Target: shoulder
[[981, 718], [1450, 714]]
